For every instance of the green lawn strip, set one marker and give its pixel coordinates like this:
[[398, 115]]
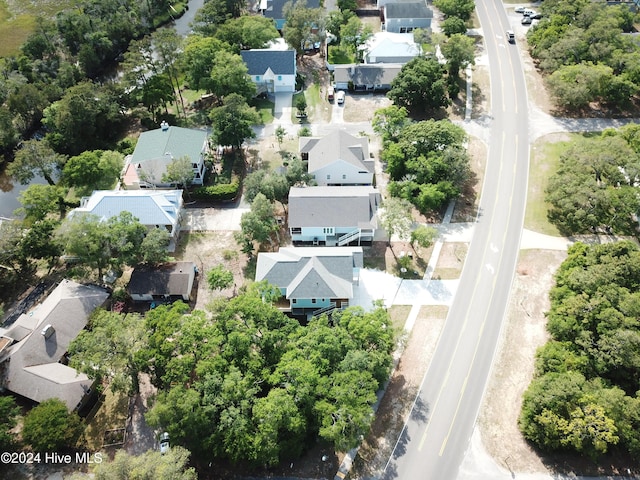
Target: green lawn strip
[[545, 157], [340, 56], [264, 108], [399, 315]]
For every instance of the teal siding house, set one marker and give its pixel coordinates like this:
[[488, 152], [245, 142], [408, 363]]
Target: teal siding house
[[312, 280]]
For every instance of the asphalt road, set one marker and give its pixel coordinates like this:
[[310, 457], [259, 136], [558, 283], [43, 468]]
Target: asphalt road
[[437, 433]]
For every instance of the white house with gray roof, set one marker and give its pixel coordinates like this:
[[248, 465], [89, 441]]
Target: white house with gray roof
[[338, 159], [271, 70], [390, 47], [312, 279], [152, 208], [32, 359], [156, 149], [405, 17], [366, 77], [333, 216]]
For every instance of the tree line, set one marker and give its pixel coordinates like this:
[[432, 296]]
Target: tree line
[[584, 396], [595, 186], [586, 51]]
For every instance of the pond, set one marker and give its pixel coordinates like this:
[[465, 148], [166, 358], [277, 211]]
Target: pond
[[9, 194]]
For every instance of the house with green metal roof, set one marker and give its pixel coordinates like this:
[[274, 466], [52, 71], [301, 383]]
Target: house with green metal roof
[[156, 149]]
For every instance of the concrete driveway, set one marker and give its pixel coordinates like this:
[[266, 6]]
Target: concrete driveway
[[282, 108]]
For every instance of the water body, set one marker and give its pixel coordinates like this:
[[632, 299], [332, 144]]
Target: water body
[[182, 25], [9, 191]]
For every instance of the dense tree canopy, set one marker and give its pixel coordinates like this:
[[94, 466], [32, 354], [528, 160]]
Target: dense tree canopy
[[428, 164], [584, 396], [251, 385], [173, 465], [582, 46], [232, 121], [456, 8], [594, 187], [9, 413], [93, 170], [50, 427], [107, 350], [420, 86]]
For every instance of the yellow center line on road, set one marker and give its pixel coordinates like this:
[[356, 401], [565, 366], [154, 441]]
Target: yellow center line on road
[[464, 325]]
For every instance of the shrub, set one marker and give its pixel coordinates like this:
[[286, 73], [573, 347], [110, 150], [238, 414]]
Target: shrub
[[223, 192]]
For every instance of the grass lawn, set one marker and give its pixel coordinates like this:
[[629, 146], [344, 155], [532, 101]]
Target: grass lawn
[[18, 20], [545, 156], [264, 108], [399, 314], [111, 414], [340, 55]]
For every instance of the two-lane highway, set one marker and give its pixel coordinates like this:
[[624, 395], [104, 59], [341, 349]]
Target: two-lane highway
[[438, 430]]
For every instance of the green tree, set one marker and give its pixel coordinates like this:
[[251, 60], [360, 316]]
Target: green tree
[[301, 104], [459, 50], [99, 244], [174, 465], [259, 224], [50, 427], [575, 86], [87, 117], [154, 246], [93, 170], [388, 122], [229, 74], [420, 86], [248, 31], [215, 13], [395, 218], [9, 413], [198, 59], [108, 350], [335, 20], [347, 5], [179, 172], [456, 8], [40, 242], [354, 34], [232, 122], [280, 133], [38, 201], [300, 22], [167, 45], [219, 278], [453, 25], [423, 236], [36, 157]]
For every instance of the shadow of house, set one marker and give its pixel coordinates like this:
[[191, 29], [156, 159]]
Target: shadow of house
[[34, 362]]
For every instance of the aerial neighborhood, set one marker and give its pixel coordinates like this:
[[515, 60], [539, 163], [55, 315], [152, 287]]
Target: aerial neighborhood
[[319, 239]]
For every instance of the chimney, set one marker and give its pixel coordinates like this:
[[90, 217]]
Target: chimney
[[164, 126], [47, 331]]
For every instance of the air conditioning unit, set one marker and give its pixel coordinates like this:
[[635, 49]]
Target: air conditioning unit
[[47, 331]]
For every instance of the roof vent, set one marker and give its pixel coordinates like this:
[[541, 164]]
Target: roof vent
[[47, 331], [164, 126]]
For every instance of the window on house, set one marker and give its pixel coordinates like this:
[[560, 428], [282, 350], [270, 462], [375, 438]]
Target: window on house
[[294, 300], [344, 177], [328, 177], [257, 78], [194, 165], [313, 300], [296, 230], [279, 77]]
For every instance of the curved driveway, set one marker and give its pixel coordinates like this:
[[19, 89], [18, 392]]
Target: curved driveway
[[433, 442]]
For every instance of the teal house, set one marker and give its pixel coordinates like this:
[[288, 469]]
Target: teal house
[[312, 280]]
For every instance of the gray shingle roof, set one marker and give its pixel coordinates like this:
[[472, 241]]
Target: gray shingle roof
[[407, 10], [311, 272], [167, 279], [33, 370], [275, 7], [367, 74], [338, 145], [322, 206], [281, 62]]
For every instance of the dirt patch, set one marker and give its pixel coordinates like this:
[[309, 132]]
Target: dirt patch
[[361, 107], [450, 261], [523, 333], [466, 206], [207, 250]]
